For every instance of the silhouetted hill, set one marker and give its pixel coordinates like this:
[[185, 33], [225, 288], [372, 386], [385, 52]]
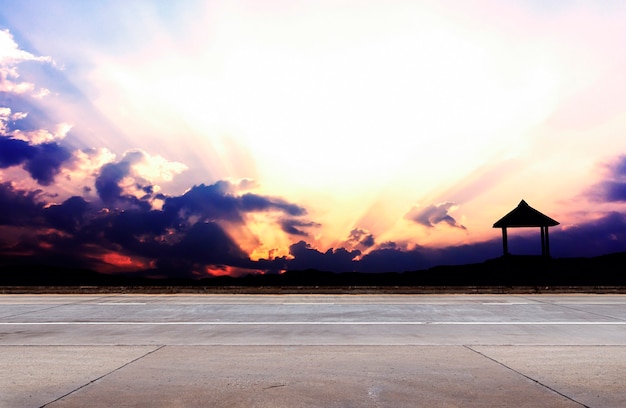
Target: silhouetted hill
[[46, 275], [509, 271]]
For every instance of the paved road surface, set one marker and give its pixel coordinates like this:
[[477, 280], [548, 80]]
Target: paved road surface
[[313, 351]]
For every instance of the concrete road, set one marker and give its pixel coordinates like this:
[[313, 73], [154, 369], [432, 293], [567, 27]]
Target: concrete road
[[313, 351]]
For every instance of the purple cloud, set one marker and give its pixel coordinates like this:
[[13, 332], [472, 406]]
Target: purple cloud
[[434, 214], [293, 226], [359, 236], [43, 161], [333, 260], [613, 189], [19, 207]]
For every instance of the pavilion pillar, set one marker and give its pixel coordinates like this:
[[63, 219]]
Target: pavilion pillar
[[505, 243], [543, 241], [547, 243]]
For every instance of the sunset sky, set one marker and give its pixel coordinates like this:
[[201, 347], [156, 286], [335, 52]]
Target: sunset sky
[[227, 137]]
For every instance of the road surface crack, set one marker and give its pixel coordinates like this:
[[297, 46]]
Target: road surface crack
[[274, 386]]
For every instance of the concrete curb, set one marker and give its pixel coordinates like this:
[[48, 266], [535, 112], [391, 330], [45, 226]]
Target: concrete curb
[[278, 290]]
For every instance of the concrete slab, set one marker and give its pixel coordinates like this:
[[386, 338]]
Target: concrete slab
[[34, 376], [594, 376], [309, 351], [340, 376]]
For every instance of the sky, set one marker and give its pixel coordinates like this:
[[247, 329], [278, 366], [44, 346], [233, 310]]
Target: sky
[[204, 138]]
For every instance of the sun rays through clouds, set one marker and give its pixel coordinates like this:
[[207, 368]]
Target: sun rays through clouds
[[223, 138]]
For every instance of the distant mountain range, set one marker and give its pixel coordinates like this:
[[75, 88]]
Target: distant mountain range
[[508, 271]]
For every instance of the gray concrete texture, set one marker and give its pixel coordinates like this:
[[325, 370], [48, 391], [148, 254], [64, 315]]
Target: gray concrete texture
[[304, 376], [321, 351]]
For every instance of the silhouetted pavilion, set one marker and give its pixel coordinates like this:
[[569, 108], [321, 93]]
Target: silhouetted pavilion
[[525, 216]]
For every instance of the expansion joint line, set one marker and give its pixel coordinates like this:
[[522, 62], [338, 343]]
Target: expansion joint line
[[102, 376], [579, 310], [525, 376]]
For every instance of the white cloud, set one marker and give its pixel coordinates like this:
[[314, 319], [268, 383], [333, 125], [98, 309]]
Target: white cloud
[[10, 56], [157, 168], [147, 171], [37, 136], [40, 136]]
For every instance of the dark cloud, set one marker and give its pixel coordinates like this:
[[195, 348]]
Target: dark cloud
[[111, 175], [14, 152], [19, 207], [216, 202], [67, 216], [613, 189], [334, 260], [433, 214], [610, 191], [390, 257], [619, 166], [209, 244], [185, 236], [252, 202], [107, 182], [211, 202], [292, 226], [601, 236], [46, 162], [137, 231], [395, 260], [43, 161], [359, 236]]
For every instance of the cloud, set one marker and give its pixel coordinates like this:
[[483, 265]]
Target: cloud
[[6, 116], [434, 214], [46, 162], [613, 189], [36, 151], [132, 180], [9, 127], [14, 152], [19, 207], [68, 216], [184, 237], [40, 136], [359, 236], [216, 202], [334, 260], [389, 257], [78, 174], [600, 236], [292, 226], [393, 259], [208, 243], [43, 161], [10, 56], [108, 181]]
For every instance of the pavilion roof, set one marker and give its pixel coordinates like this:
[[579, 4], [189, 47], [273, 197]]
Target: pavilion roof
[[525, 216]]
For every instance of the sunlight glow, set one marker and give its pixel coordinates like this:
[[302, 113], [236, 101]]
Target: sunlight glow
[[414, 108]]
